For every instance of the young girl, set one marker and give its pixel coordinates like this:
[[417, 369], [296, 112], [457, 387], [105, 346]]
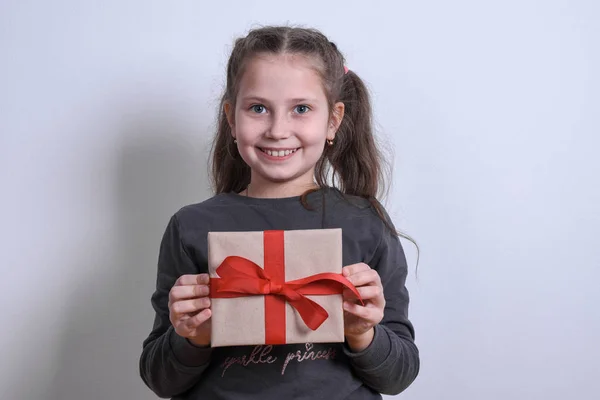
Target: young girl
[[291, 112]]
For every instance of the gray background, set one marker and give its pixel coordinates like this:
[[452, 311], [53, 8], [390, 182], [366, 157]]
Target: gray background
[[106, 109]]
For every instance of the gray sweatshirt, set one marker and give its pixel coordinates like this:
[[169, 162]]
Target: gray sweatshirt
[[172, 367]]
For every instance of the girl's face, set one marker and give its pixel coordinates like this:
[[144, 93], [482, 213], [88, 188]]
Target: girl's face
[[282, 120]]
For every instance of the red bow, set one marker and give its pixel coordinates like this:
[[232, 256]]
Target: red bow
[[240, 276]]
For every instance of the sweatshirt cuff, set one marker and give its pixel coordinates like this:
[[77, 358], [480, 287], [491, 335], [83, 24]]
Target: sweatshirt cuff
[[188, 354], [375, 354]]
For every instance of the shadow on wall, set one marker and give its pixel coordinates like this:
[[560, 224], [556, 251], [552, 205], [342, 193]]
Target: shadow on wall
[[161, 166]]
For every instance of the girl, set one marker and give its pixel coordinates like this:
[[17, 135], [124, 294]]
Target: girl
[[291, 112]]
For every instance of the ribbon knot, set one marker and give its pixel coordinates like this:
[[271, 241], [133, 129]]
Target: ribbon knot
[[274, 288], [268, 286]]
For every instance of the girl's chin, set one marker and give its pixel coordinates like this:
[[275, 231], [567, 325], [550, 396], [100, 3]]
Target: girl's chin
[[302, 178]]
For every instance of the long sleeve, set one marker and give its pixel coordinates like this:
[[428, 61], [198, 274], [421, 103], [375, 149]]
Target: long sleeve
[[169, 364], [391, 362]]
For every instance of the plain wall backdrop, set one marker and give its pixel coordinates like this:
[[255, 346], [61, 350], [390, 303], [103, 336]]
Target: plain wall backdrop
[[492, 109]]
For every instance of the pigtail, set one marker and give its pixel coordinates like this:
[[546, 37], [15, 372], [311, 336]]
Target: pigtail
[[354, 155], [357, 166]]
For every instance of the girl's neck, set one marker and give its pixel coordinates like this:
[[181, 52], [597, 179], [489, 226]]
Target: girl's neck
[[272, 190]]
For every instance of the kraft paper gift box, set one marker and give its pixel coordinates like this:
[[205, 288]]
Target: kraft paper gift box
[[276, 287]]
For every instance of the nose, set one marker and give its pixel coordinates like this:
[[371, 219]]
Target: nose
[[279, 127]]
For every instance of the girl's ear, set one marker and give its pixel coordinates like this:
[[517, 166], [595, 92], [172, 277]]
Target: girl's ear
[[336, 120], [228, 109]]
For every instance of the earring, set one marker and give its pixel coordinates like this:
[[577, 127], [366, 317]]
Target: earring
[[330, 142], [235, 141]]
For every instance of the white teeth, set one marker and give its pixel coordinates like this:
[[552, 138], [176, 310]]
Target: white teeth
[[279, 153]]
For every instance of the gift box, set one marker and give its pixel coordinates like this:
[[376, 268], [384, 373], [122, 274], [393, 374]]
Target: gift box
[[276, 287]]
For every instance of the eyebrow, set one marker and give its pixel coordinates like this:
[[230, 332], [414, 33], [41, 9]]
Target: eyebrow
[[263, 100]]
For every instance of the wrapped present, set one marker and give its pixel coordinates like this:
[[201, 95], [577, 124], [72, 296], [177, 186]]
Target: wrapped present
[[276, 287]]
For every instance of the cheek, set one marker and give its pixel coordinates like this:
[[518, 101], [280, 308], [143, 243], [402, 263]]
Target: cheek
[[248, 128], [315, 132]]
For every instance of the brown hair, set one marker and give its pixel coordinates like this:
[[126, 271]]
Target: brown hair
[[354, 163]]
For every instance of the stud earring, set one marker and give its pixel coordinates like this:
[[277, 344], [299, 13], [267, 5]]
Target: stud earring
[[330, 142], [235, 141]]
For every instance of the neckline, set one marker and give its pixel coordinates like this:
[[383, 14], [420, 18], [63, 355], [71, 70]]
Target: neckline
[[272, 200]]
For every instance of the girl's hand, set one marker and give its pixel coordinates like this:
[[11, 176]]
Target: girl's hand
[[189, 308], [359, 320]]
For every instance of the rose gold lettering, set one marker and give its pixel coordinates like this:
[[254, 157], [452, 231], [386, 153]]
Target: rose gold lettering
[[259, 355], [265, 353], [308, 355]]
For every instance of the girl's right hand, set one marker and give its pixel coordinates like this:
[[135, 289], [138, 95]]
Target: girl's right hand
[[189, 308]]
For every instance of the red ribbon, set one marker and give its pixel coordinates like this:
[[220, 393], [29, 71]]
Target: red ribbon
[[241, 277]]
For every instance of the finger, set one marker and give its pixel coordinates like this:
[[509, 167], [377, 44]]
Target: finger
[[190, 306], [372, 315], [198, 319], [370, 292], [362, 278], [188, 279], [350, 270], [188, 292], [366, 313], [202, 279], [199, 279]]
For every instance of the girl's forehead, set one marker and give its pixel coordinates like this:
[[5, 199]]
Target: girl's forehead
[[280, 74]]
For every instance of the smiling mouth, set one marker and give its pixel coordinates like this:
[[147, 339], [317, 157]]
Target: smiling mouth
[[278, 153]]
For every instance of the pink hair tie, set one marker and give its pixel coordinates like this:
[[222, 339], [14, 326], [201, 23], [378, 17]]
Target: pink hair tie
[[345, 70]]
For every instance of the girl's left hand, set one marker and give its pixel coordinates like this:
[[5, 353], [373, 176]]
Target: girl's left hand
[[359, 320]]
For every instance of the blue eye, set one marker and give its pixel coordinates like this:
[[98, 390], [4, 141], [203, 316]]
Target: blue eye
[[302, 109], [258, 108]]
